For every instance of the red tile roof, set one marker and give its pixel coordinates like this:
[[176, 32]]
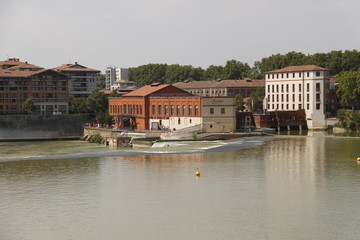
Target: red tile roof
[[16, 73], [299, 69], [220, 84], [11, 62], [25, 66], [146, 90], [74, 68]]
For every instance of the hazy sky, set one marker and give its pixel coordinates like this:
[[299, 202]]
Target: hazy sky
[[129, 33]]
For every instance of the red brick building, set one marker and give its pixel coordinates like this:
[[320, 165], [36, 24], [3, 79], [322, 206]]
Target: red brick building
[[156, 106]]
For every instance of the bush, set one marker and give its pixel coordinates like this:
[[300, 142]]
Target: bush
[[349, 119], [96, 139]]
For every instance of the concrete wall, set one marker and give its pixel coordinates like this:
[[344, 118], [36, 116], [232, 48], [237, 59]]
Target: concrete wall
[[25, 127]]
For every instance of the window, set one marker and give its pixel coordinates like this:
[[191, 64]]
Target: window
[[300, 107], [211, 110], [282, 97], [308, 74], [299, 74], [293, 75], [190, 110], [184, 110], [287, 106], [268, 88], [153, 109], [318, 97], [196, 110], [293, 87], [318, 106], [282, 88], [318, 87], [318, 74], [140, 109], [277, 97], [287, 97], [272, 88], [299, 97], [159, 110], [287, 87], [179, 121], [277, 88], [166, 110], [307, 106], [178, 110], [299, 87], [293, 98], [308, 87], [222, 110], [124, 108], [273, 96], [172, 110], [308, 97]]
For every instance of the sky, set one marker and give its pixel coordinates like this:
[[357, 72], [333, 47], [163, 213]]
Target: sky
[[130, 33]]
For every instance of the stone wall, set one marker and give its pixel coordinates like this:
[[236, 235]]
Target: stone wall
[[41, 127]]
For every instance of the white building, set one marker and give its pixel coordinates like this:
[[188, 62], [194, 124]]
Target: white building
[[299, 87], [113, 74]]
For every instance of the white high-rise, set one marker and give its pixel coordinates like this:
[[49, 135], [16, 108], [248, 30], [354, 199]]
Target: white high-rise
[[113, 74], [299, 87]]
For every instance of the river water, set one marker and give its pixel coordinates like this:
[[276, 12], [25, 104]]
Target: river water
[[276, 187]]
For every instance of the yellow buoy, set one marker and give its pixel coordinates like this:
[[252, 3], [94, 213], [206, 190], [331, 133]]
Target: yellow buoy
[[358, 159], [197, 173]]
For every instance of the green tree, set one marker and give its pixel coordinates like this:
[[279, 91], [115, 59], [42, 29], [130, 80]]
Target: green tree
[[254, 103], [29, 105], [97, 102], [105, 118], [235, 69], [214, 72], [349, 89], [78, 105], [176, 73], [147, 74], [101, 81], [240, 104]]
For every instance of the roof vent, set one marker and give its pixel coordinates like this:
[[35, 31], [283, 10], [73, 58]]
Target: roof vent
[[155, 84]]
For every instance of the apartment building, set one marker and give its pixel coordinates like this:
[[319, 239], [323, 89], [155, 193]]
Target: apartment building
[[114, 76], [156, 107], [21, 80], [82, 80], [299, 87]]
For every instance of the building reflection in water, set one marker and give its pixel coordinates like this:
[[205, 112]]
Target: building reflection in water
[[293, 168]]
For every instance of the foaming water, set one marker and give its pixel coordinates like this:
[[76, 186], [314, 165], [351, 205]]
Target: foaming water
[[81, 149]]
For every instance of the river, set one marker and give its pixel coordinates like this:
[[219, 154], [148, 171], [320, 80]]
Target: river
[[276, 187]]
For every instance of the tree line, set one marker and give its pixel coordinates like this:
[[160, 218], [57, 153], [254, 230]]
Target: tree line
[[335, 61]]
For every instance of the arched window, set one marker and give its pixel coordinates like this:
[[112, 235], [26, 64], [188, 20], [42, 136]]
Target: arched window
[[153, 110], [196, 110], [166, 111], [159, 110], [178, 110], [172, 110], [125, 109], [184, 110], [190, 110]]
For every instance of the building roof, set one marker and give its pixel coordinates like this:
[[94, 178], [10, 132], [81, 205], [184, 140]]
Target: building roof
[[299, 69], [25, 66], [24, 74], [10, 62], [146, 90], [220, 84], [74, 68]]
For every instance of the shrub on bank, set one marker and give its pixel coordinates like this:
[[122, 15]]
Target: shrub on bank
[[96, 139], [348, 119]]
